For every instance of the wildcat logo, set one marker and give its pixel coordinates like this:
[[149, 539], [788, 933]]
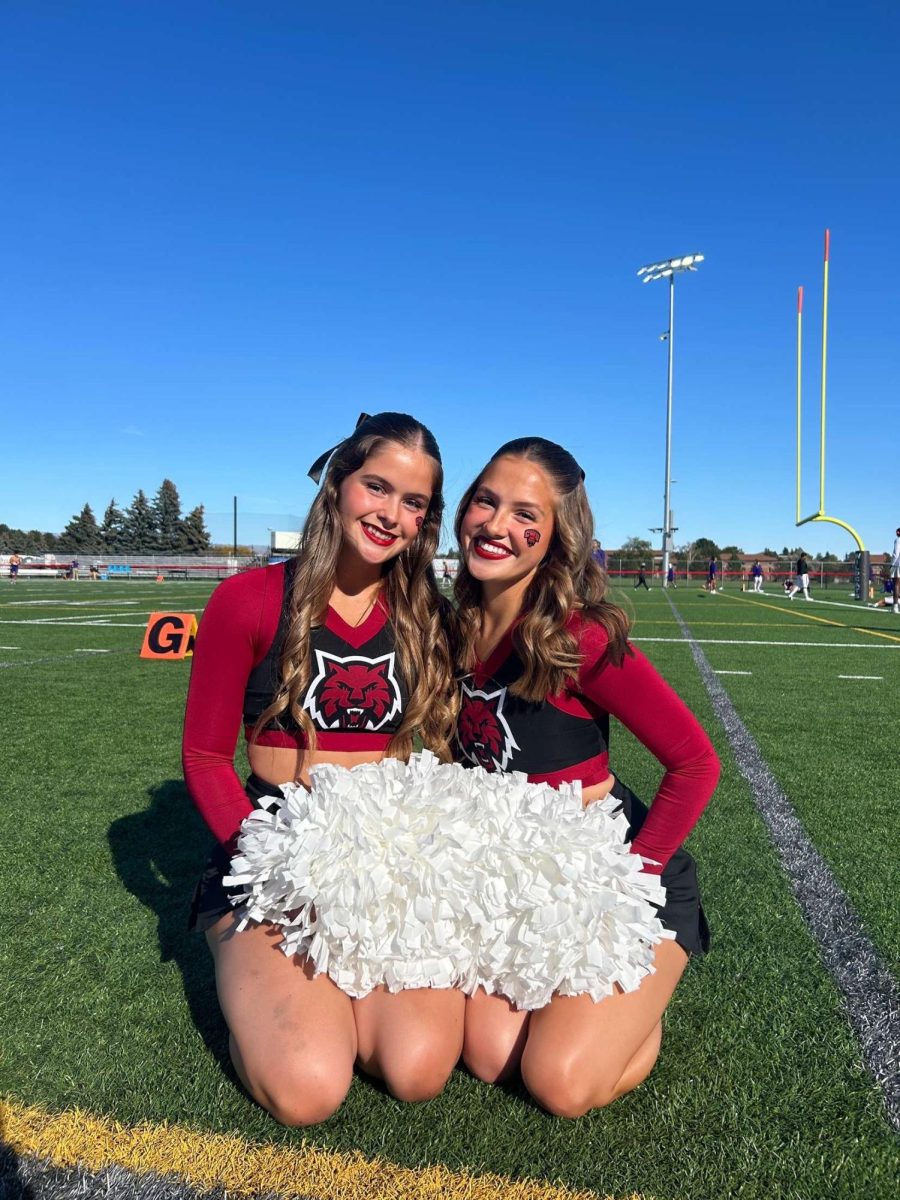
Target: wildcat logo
[[482, 731], [353, 693]]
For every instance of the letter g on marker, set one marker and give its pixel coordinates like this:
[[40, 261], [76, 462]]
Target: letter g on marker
[[169, 636]]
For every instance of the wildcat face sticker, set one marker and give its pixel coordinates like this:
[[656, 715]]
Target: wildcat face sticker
[[420, 521], [532, 536]]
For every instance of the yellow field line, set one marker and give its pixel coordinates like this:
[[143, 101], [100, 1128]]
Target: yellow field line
[[208, 1160], [805, 616]]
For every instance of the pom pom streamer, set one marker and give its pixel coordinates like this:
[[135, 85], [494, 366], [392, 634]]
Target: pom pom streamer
[[428, 874]]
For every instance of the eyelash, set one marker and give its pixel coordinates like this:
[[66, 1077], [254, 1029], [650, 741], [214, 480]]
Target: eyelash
[[379, 490]]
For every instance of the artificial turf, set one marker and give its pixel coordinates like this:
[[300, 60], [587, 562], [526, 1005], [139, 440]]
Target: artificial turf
[[109, 1003]]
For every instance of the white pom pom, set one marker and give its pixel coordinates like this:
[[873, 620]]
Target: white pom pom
[[427, 874]]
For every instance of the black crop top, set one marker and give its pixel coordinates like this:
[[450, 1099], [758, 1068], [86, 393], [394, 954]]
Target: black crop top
[[356, 688]]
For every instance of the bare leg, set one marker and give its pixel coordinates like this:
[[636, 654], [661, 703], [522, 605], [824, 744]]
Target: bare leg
[[410, 1039], [495, 1037], [581, 1055], [293, 1039]]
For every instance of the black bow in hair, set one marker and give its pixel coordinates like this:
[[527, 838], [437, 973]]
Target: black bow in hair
[[315, 471]]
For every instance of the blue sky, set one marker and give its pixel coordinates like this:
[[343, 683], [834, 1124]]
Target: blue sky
[[230, 227]]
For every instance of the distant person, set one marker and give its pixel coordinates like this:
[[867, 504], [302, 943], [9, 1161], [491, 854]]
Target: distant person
[[641, 580], [887, 600], [15, 562], [95, 571], [447, 574], [73, 570], [670, 577], [712, 572], [895, 572], [801, 582], [787, 584], [598, 554], [757, 574]]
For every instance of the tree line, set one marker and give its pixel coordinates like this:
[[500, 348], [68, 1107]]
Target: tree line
[[145, 527]]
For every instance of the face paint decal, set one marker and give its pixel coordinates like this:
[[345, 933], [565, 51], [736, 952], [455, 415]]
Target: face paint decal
[[420, 521], [532, 536]]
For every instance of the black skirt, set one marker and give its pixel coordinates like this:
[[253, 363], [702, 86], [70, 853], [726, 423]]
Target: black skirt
[[212, 899], [682, 912]]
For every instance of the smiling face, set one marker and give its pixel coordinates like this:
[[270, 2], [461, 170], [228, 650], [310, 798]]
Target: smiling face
[[383, 504], [508, 526]]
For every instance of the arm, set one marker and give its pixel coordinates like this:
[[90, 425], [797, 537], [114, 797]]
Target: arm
[[641, 699], [230, 640]]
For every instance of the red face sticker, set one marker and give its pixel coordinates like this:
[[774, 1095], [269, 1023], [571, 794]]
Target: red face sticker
[[420, 521], [532, 537]]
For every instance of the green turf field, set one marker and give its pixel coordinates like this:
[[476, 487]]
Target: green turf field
[[109, 1004]]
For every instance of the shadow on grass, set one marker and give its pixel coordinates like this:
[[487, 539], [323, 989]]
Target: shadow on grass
[[158, 855], [12, 1185]]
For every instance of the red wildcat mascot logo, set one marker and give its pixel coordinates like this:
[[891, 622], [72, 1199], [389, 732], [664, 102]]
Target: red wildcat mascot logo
[[482, 732], [353, 693]]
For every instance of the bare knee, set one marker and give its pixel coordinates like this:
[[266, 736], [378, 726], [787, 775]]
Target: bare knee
[[572, 1089], [418, 1072], [491, 1060], [564, 1092], [297, 1093]]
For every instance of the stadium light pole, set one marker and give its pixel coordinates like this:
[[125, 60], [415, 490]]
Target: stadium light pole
[[668, 270]]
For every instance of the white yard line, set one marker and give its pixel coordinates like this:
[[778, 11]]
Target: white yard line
[[734, 672], [66, 623], [867, 607], [860, 677], [88, 650], [65, 603], [748, 642]]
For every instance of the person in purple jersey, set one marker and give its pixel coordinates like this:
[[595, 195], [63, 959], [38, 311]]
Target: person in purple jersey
[[712, 574]]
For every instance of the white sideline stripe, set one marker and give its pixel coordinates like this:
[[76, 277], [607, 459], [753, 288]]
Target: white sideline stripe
[[734, 672], [10, 647], [750, 642], [869, 991], [88, 650], [860, 677]]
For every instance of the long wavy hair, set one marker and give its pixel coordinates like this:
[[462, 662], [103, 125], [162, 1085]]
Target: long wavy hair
[[419, 614], [567, 580]]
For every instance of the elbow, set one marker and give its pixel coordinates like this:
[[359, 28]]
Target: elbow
[[705, 768]]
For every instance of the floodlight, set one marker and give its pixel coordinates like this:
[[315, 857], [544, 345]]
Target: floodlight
[[668, 270]]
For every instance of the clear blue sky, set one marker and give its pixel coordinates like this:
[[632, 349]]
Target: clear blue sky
[[229, 227]]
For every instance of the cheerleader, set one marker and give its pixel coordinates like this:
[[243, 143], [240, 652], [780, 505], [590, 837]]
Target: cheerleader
[[545, 661], [338, 656]]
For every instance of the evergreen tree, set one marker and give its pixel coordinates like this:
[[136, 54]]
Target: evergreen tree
[[195, 535], [706, 548], [139, 532], [167, 514], [113, 528], [81, 535]]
